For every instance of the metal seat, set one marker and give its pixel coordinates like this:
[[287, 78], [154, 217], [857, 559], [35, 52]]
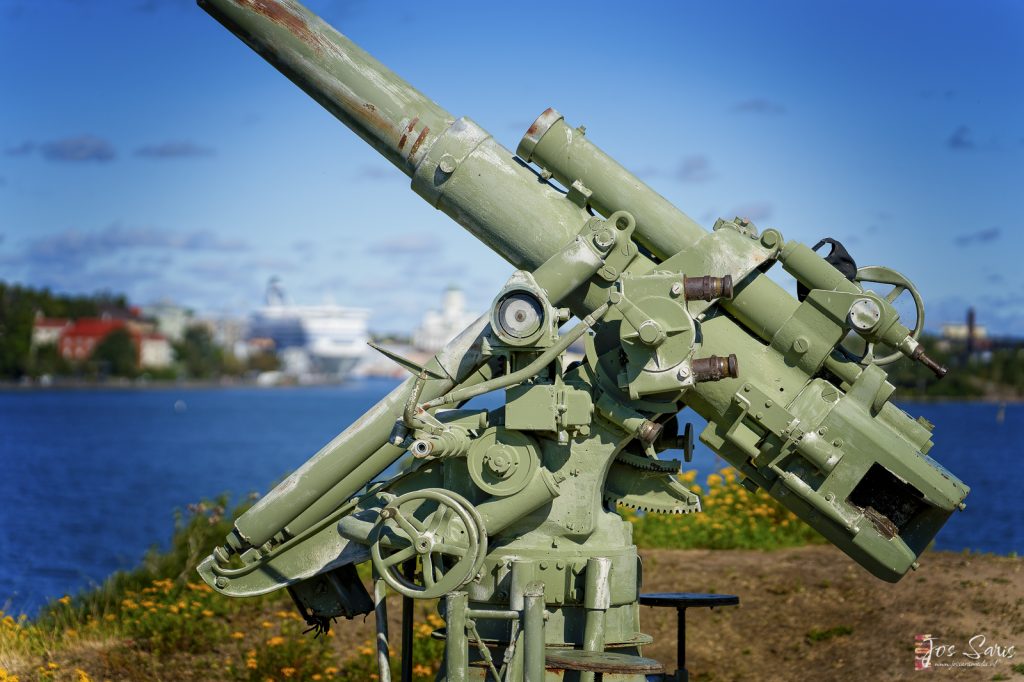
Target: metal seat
[[681, 601], [604, 662]]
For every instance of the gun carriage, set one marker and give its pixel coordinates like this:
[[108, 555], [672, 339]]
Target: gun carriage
[[508, 515]]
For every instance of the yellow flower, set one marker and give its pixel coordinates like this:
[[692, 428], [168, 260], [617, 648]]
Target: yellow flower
[[420, 669], [287, 672], [110, 617], [250, 663], [82, 675], [275, 641], [52, 666], [267, 624], [714, 479], [65, 600], [237, 635], [331, 671], [317, 676], [208, 613]]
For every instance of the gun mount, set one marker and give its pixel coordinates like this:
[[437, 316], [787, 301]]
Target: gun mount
[[509, 514]]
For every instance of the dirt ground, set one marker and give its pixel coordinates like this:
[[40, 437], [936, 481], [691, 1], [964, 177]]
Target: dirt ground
[[790, 600], [811, 613], [808, 613]]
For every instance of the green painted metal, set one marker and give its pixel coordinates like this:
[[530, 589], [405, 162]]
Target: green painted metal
[[509, 514]]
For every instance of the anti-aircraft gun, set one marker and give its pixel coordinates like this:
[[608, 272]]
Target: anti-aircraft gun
[[508, 515]]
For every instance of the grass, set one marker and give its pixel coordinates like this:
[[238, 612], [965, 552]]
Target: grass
[[160, 622], [815, 635]]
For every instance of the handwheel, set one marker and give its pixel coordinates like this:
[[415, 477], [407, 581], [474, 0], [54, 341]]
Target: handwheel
[[441, 528], [854, 346]]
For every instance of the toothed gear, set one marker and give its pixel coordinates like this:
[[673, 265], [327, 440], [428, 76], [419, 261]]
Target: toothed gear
[[666, 466], [646, 506], [649, 491]]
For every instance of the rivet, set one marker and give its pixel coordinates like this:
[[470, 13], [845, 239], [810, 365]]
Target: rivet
[[221, 582]]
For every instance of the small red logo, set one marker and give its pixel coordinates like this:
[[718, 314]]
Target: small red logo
[[923, 652]]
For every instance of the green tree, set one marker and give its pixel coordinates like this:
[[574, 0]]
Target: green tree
[[197, 352], [116, 354]]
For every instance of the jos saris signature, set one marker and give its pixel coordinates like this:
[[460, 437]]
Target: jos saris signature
[[931, 651]]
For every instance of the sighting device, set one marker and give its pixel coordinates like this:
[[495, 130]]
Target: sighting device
[[508, 516]]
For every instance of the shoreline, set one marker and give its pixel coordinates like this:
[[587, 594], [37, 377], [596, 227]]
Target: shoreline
[[190, 384], [10, 386]]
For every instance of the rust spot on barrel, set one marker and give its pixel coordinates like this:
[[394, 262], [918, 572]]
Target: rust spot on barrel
[[419, 141], [408, 129], [535, 126], [285, 17]]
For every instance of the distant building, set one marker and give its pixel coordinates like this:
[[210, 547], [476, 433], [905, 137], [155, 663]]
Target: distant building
[[155, 351], [961, 332], [46, 331], [171, 319], [80, 338], [438, 327], [76, 340]]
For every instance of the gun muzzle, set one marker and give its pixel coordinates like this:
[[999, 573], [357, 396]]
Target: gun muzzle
[[393, 117]]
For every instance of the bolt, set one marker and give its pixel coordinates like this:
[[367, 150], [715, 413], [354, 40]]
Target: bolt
[[837, 443], [770, 239], [604, 239], [543, 565], [684, 372], [768, 403], [677, 288], [650, 332], [648, 431], [801, 344], [221, 582], [447, 164]]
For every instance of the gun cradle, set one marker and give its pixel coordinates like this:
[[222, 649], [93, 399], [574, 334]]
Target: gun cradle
[[493, 504]]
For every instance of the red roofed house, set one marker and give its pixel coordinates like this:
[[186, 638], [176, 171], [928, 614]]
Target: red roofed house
[[77, 339]]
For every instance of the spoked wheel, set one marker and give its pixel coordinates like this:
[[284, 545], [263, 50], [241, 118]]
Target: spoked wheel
[[441, 529], [863, 352]]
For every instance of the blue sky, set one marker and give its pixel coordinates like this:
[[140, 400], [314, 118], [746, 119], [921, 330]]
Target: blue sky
[[145, 149]]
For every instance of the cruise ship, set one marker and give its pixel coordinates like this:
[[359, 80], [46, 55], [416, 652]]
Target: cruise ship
[[314, 342]]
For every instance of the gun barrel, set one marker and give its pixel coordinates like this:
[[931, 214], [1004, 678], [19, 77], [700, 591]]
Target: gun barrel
[[388, 113]]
